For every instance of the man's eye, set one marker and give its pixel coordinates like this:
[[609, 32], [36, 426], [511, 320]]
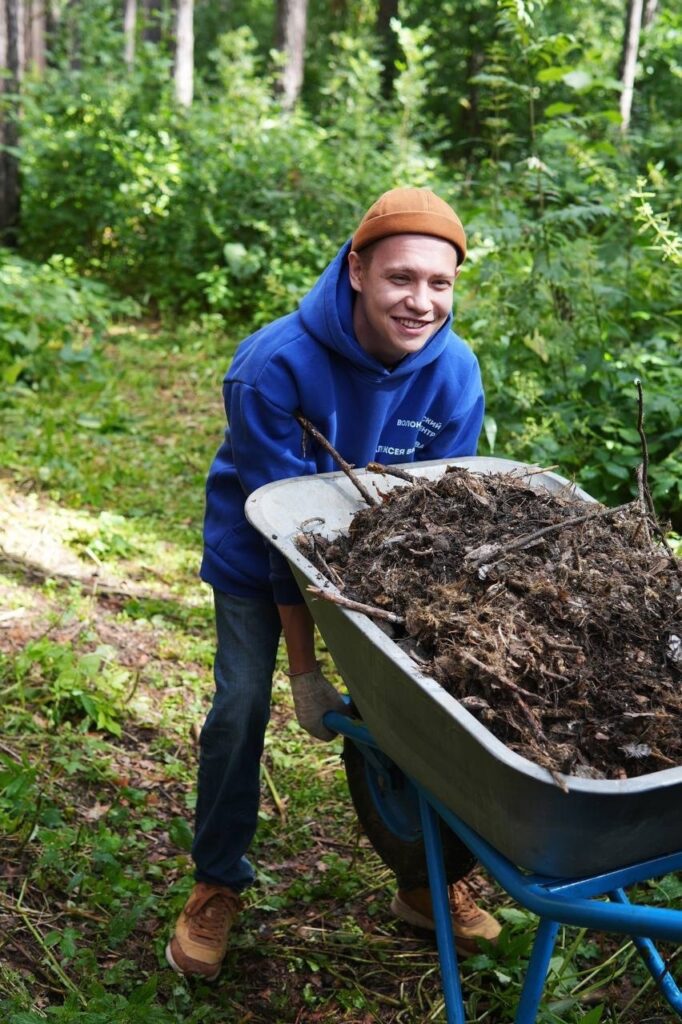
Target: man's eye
[[399, 278]]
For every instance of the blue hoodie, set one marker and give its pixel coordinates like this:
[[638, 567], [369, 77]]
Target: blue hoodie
[[429, 406]]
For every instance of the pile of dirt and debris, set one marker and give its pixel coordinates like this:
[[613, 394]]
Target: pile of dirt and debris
[[557, 623]]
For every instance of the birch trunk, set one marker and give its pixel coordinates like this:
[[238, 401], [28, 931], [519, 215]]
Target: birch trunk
[[633, 24], [184, 53], [292, 20], [129, 30]]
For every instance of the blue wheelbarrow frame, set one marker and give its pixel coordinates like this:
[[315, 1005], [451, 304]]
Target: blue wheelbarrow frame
[[556, 901]]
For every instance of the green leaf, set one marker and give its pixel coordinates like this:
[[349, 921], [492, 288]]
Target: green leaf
[[536, 343], [144, 993], [180, 834], [67, 943], [578, 79], [490, 431], [594, 1016], [559, 109], [554, 74], [11, 374]]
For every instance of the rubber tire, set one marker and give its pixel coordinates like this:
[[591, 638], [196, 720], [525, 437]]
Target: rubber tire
[[407, 859]]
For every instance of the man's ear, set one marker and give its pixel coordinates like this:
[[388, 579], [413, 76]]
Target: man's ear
[[355, 271], [457, 272]]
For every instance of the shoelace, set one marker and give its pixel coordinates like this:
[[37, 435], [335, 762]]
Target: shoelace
[[463, 904], [210, 914]]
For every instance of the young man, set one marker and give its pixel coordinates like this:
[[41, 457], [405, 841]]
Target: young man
[[370, 360]]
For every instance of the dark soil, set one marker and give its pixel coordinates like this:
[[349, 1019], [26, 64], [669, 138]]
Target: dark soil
[[568, 647]]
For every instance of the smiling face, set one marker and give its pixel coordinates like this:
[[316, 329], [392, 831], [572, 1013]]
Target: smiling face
[[404, 293]]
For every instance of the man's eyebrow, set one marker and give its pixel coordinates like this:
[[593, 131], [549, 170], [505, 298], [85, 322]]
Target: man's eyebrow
[[405, 269]]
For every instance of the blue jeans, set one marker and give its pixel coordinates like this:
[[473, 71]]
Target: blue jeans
[[231, 741]]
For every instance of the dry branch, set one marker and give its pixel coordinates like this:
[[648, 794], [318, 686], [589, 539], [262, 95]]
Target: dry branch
[[401, 474], [356, 606], [345, 466], [490, 552]]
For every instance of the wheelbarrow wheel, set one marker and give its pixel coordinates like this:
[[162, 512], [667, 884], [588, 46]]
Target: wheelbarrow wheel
[[387, 807]]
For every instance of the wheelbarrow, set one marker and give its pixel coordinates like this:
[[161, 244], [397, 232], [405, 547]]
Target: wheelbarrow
[[421, 767]]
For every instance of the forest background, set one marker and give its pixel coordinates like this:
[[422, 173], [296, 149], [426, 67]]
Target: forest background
[[172, 176], [230, 205]]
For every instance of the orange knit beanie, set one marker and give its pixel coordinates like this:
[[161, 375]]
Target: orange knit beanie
[[410, 211]]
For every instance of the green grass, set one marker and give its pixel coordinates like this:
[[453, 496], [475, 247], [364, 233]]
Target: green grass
[[104, 682]]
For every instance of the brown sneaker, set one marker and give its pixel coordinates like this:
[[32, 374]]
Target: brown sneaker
[[469, 922], [199, 943]]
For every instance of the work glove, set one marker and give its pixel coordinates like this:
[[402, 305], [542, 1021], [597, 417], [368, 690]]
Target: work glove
[[313, 697]]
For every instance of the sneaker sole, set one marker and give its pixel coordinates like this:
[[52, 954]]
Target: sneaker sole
[[189, 974]]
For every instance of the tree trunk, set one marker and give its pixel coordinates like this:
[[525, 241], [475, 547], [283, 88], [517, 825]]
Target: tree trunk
[[292, 16], [633, 24], [184, 53], [389, 43], [70, 15], [10, 58], [129, 31], [650, 9], [34, 36], [53, 17], [152, 21]]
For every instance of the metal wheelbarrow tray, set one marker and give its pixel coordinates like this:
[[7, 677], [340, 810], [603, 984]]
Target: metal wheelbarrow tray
[[598, 826]]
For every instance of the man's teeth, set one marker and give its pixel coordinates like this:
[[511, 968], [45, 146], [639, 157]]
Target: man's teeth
[[411, 323]]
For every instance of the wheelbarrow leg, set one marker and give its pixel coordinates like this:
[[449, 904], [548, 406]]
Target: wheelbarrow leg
[[536, 972], [447, 954], [654, 961]]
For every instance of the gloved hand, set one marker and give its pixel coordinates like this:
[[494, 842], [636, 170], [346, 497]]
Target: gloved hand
[[313, 696]]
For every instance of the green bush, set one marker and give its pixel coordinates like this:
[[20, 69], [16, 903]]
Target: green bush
[[567, 303], [86, 689], [235, 205], [571, 289], [50, 319]]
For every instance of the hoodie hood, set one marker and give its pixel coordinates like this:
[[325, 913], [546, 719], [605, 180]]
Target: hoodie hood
[[327, 314]]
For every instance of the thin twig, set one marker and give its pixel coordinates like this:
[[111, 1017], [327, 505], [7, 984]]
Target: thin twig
[[402, 474], [133, 688], [516, 692], [317, 556], [356, 606], [533, 472], [402, 538], [643, 482], [345, 466], [641, 491], [279, 803], [489, 552], [35, 571], [52, 961], [645, 450], [490, 671]]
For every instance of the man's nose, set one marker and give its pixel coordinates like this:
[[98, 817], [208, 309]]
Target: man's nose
[[418, 300]]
